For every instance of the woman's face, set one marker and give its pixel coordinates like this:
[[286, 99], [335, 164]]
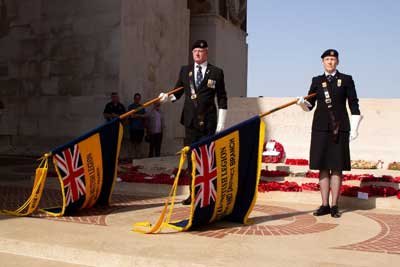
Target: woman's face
[[330, 63]]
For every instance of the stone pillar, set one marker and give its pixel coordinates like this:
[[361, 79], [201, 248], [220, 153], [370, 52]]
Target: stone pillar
[[154, 45]]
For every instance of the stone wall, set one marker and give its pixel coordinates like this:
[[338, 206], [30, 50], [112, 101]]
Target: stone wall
[[60, 59], [154, 45], [378, 139]]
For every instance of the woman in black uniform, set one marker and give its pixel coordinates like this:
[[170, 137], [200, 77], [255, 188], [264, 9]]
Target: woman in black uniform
[[331, 128]]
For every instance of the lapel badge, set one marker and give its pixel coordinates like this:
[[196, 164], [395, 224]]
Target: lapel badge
[[339, 82], [324, 85], [211, 83], [190, 74]]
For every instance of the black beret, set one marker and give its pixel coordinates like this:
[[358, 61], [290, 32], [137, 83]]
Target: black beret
[[330, 53], [199, 44]]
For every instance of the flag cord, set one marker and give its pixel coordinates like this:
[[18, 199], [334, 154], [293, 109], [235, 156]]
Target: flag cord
[[33, 201], [171, 196]]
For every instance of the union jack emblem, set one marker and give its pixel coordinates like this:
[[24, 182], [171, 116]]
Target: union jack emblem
[[206, 175], [71, 169]]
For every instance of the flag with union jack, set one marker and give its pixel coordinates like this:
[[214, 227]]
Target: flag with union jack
[[86, 168], [71, 169], [225, 175], [206, 175]]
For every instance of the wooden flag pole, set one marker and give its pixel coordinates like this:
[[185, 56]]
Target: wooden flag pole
[[148, 103], [284, 106]]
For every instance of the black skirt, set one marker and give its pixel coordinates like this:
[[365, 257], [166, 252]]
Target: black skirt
[[327, 155]]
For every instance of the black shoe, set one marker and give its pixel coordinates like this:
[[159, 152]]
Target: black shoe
[[335, 212], [323, 210], [187, 201]]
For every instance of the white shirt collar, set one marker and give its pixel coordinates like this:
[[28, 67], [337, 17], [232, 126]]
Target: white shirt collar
[[203, 65], [333, 73]]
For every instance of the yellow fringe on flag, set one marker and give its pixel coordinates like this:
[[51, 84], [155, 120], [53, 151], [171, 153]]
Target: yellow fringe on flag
[[32, 203], [170, 199], [61, 213]]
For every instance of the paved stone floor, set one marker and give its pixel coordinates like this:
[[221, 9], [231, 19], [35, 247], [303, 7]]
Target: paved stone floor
[[281, 234]]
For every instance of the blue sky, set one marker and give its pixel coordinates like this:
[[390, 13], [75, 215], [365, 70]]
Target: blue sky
[[287, 37]]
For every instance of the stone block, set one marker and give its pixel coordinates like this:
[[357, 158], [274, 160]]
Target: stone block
[[10, 87], [50, 86], [30, 87], [10, 114], [64, 67], [28, 126], [69, 86], [30, 69], [30, 48], [28, 11]]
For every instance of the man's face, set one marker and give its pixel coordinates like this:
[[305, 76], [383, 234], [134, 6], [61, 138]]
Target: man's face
[[137, 99], [330, 63], [200, 55], [115, 98]]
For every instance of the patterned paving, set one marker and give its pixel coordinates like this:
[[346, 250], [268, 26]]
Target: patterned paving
[[12, 197], [266, 221], [387, 241]]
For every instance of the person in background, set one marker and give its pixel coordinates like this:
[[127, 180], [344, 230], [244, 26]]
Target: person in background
[[114, 108], [136, 126], [155, 126], [331, 128]]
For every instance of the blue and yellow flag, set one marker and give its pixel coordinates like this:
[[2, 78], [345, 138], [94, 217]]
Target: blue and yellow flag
[[226, 171], [86, 169]]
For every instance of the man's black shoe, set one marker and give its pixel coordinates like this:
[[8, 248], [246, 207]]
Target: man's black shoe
[[323, 210], [335, 212], [187, 201]]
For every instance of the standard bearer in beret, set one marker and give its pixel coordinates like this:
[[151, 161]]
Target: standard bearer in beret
[[202, 82], [332, 130]]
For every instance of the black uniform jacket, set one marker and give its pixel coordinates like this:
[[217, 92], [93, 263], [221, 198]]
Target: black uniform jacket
[[203, 108], [341, 88]]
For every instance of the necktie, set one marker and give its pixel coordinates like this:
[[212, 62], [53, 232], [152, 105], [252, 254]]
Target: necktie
[[329, 78], [199, 76]]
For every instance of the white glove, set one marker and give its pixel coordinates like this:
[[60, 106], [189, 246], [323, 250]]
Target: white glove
[[354, 124], [165, 97], [221, 119], [304, 104]]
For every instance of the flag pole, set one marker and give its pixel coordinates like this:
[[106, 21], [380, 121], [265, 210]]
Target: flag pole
[[148, 103], [285, 105]]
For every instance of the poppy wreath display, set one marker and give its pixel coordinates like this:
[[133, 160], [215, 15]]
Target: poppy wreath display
[[133, 175], [277, 148], [298, 162], [346, 190]]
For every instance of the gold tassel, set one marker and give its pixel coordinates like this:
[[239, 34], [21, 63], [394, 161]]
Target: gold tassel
[[33, 201]]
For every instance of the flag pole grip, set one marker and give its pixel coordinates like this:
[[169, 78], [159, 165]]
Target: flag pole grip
[[284, 106], [148, 103]]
